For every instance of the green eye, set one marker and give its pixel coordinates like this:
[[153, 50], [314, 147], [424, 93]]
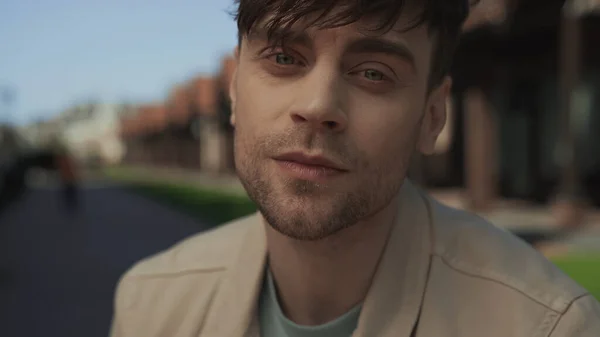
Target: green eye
[[284, 59], [374, 75]]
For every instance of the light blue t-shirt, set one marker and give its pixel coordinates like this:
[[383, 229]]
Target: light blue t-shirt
[[273, 322]]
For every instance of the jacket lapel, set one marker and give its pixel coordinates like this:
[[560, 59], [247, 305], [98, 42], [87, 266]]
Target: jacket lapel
[[236, 298], [394, 301]]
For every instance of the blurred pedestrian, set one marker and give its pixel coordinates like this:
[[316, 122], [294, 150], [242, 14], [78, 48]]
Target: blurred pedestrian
[[67, 172]]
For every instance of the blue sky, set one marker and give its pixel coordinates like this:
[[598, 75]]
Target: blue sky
[[57, 52]]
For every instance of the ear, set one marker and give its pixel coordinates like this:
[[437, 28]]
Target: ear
[[233, 86], [434, 117]]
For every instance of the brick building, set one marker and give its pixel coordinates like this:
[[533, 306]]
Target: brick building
[[189, 130], [142, 134]]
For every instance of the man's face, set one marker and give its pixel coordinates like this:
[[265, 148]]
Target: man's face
[[326, 124]]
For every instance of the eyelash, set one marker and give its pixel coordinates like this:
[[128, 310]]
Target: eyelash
[[276, 51], [384, 77]]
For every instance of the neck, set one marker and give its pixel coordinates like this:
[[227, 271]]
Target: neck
[[318, 281]]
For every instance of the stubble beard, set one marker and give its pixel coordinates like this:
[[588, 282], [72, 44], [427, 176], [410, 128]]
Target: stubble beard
[[304, 210]]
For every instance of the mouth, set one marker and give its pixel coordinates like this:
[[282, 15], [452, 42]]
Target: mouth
[[312, 168]]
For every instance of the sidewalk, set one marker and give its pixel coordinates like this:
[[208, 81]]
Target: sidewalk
[[536, 219], [514, 215]]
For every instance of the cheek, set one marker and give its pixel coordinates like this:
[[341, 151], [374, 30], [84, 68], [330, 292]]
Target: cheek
[[386, 132], [389, 149], [256, 111], [257, 104]]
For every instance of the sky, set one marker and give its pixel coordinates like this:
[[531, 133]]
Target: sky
[[54, 53]]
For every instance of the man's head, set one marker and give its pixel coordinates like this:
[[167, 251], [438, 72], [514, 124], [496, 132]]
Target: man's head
[[353, 87]]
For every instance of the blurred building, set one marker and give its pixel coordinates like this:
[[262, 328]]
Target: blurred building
[[526, 104], [522, 121], [143, 134], [41, 132], [190, 130], [92, 136], [89, 130]]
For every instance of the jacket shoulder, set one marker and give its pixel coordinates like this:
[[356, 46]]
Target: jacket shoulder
[[473, 246], [177, 287]]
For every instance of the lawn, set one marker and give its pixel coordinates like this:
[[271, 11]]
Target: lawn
[[209, 206], [585, 269], [215, 207]]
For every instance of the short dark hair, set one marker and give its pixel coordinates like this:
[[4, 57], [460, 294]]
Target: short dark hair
[[445, 18]]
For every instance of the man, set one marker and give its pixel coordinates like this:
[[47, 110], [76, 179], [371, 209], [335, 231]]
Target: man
[[66, 169], [64, 165], [330, 100]]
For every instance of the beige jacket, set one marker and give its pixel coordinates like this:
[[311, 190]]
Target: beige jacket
[[444, 273]]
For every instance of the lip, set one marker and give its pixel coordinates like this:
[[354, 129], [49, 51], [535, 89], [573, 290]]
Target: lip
[[310, 160], [306, 167]]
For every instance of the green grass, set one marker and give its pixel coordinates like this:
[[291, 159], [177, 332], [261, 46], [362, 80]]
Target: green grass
[[216, 207], [213, 207], [584, 269]]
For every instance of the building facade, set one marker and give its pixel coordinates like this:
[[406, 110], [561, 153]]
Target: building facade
[[526, 98], [190, 130]]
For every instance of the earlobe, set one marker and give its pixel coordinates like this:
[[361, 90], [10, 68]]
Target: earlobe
[[232, 119]]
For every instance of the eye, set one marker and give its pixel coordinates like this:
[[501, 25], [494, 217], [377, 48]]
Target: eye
[[282, 63], [284, 59], [374, 75], [376, 78]]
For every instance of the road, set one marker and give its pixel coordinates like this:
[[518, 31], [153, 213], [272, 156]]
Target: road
[[58, 272]]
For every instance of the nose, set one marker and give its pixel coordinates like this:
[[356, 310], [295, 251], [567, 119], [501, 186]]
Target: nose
[[319, 104]]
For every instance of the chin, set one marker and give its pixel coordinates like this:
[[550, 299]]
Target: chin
[[304, 210], [306, 218], [302, 228], [308, 189]]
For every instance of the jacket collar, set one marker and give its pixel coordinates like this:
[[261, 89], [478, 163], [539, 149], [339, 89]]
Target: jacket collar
[[236, 299], [393, 303]]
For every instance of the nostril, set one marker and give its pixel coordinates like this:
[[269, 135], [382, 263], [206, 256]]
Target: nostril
[[330, 124], [323, 123], [298, 119]]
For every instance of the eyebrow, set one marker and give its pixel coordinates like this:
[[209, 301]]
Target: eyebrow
[[375, 45], [362, 45]]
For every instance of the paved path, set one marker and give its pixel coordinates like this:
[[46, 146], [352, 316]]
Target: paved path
[[58, 273]]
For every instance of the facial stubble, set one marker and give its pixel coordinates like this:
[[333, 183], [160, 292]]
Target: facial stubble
[[305, 210]]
